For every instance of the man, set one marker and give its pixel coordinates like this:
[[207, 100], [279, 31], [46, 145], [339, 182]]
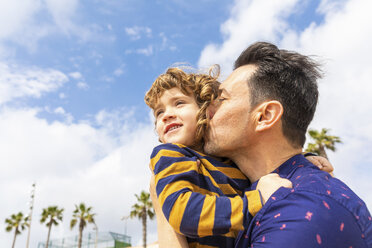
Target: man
[[259, 121]]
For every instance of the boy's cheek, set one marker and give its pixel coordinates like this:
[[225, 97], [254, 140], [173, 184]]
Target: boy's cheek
[[158, 130]]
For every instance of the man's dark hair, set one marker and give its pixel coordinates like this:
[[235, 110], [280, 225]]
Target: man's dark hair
[[287, 77]]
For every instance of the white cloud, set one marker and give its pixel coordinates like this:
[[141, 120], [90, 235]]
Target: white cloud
[[136, 32], [59, 110], [342, 41], [96, 56], [16, 82], [17, 23], [249, 21], [119, 71], [166, 43], [67, 116], [62, 95], [63, 13], [75, 75], [107, 79], [82, 85], [21, 22], [73, 163], [113, 121], [15, 14], [145, 51]]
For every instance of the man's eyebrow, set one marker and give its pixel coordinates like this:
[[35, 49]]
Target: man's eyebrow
[[220, 91]]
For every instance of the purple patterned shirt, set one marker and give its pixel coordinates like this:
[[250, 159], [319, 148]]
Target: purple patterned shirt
[[320, 211]]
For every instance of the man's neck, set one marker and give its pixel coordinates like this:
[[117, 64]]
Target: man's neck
[[263, 158]]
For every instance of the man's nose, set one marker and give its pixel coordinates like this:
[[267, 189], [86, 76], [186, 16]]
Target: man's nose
[[211, 110]]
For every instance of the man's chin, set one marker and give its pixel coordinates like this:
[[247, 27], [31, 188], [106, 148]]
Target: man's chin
[[211, 148]]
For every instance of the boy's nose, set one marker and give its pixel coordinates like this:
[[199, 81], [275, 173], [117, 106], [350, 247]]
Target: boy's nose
[[168, 115]]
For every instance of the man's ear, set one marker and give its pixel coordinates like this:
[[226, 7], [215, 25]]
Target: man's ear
[[268, 114]]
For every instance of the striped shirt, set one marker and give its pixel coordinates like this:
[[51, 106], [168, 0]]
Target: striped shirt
[[205, 202]]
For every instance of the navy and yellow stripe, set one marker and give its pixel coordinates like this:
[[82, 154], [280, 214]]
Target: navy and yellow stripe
[[202, 201]]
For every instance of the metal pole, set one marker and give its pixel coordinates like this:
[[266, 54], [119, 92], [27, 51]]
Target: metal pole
[[30, 214], [125, 218], [96, 241]]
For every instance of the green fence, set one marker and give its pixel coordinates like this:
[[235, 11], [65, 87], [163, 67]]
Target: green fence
[[91, 240]]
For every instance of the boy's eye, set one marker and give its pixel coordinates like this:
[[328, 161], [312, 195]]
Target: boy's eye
[[159, 112], [220, 99], [179, 103]]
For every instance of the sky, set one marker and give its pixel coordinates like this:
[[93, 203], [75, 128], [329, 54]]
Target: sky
[[73, 75]]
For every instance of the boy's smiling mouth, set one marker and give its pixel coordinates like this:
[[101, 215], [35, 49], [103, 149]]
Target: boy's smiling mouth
[[171, 127]]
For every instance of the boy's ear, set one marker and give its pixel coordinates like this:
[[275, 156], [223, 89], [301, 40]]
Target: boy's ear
[[268, 114]]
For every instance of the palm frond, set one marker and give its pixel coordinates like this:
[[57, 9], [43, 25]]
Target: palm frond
[[73, 223]]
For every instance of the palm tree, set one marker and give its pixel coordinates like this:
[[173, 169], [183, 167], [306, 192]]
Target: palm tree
[[322, 141], [142, 209], [18, 222], [52, 215], [84, 216]]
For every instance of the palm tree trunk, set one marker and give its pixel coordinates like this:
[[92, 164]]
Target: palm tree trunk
[[50, 228], [322, 152], [144, 227], [80, 235], [15, 235]]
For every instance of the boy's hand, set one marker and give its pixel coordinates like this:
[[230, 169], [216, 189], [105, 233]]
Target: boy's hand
[[270, 183], [321, 162]]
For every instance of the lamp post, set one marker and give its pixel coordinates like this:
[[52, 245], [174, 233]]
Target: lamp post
[[96, 240], [30, 214], [125, 218]]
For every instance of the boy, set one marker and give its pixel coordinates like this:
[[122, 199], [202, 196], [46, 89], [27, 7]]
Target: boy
[[201, 197]]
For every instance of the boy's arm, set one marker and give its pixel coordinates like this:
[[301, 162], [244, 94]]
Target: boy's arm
[[192, 210], [167, 237], [189, 208]]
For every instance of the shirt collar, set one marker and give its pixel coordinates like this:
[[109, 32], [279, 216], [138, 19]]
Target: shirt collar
[[286, 169], [289, 166]]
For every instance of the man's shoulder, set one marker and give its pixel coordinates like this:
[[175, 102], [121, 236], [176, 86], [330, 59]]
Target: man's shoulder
[[305, 213], [317, 199], [311, 180]]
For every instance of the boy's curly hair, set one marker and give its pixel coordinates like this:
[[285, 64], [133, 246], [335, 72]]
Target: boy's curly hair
[[203, 87]]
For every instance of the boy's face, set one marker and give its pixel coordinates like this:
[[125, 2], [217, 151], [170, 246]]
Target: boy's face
[[175, 116]]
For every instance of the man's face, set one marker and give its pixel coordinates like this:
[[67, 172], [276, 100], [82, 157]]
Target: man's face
[[230, 127]]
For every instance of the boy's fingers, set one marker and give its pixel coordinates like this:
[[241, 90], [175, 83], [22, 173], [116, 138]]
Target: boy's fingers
[[198, 162], [314, 161], [286, 183]]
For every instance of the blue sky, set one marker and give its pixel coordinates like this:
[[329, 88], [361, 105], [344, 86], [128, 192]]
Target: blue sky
[[73, 75], [117, 48]]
